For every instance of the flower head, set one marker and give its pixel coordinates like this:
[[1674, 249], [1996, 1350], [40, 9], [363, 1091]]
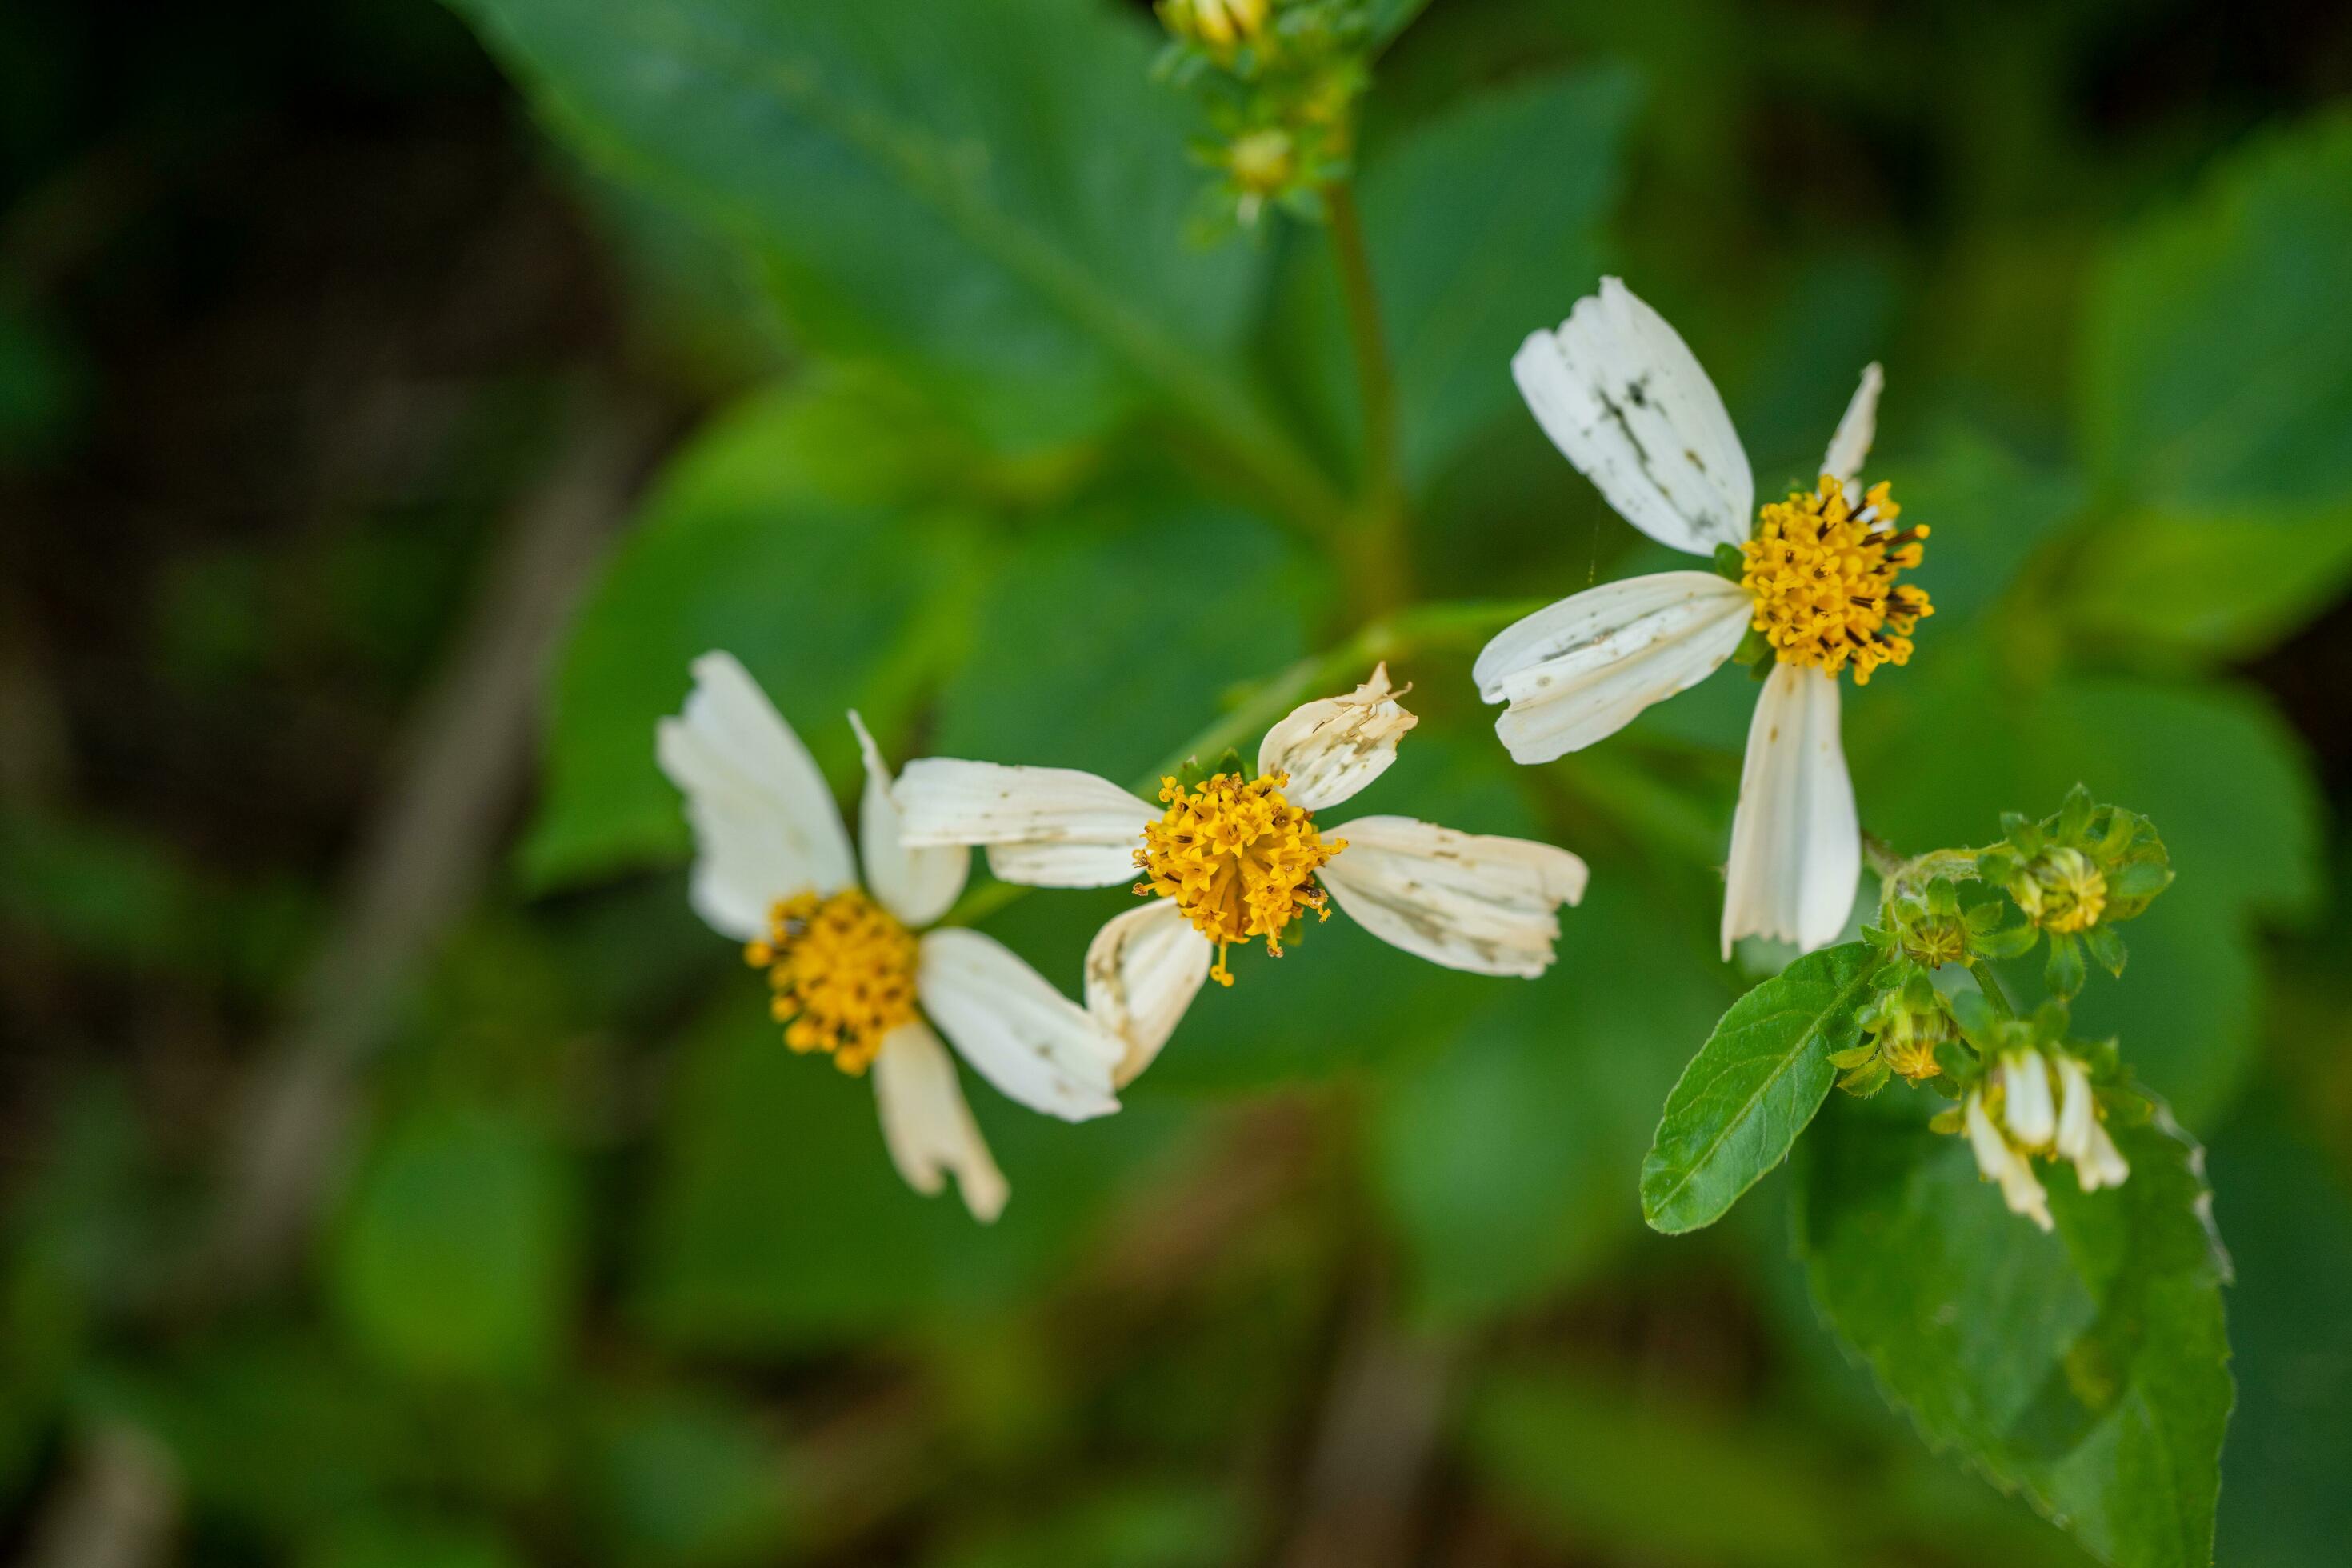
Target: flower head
[[1239, 854], [852, 973], [1822, 575]]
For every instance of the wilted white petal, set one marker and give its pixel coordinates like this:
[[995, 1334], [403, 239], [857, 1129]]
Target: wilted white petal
[[1850, 448], [1333, 747], [1143, 969], [2031, 1119], [766, 827], [927, 1125], [1466, 901], [2082, 1137], [2020, 1188], [1620, 394], [916, 885], [1578, 670], [1796, 843], [1020, 1034], [1047, 827]]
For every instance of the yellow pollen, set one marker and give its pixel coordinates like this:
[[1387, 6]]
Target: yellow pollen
[[1824, 579], [1239, 860], [842, 971]]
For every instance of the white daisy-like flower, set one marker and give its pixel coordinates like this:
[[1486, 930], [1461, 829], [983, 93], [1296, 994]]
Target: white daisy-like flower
[[1232, 858], [851, 976], [1622, 396]]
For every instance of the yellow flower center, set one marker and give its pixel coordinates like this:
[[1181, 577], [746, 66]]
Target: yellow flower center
[[1824, 580], [2062, 891], [1239, 860], [1219, 23], [842, 971]]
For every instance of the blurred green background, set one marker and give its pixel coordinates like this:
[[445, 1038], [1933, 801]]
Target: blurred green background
[[393, 401]]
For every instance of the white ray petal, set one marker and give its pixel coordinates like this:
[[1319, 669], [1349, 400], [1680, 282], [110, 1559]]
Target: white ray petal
[[1143, 969], [1850, 448], [1796, 842], [1578, 670], [1020, 1034], [916, 885], [1621, 395], [2082, 1137], [1466, 901], [1046, 827], [2020, 1188], [926, 1124], [765, 824], [1333, 747], [2026, 1106]]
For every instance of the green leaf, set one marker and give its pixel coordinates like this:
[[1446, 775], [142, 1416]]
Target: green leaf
[[458, 1256], [1482, 225], [687, 1479], [1503, 1159], [2087, 1370], [2217, 359], [994, 196], [1753, 1086], [798, 533]]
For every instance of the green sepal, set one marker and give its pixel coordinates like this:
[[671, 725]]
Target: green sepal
[[2139, 881], [1192, 775], [1947, 1121], [2106, 945], [1729, 561], [1846, 1060], [2014, 942], [2065, 972], [1866, 1080], [2075, 815]]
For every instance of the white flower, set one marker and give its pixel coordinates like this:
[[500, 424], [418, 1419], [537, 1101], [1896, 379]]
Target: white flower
[[2026, 1108], [2000, 1161], [2082, 1136], [1236, 859], [773, 869], [1621, 395]]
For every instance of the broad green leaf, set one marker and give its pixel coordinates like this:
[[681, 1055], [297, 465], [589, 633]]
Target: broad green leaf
[[1503, 1159], [1483, 226], [2217, 358], [1109, 637], [1753, 1087], [2227, 583], [1938, 758], [993, 195], [458, 1256], [778, 1223], [2088, 1370], [799, 533]]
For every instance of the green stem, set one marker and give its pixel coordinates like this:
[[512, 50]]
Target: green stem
[[1458, 624], [1381, 563], [1989, 984]]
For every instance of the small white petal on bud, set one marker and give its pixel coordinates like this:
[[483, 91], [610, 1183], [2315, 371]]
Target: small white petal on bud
[[2031, 1119], [2001, 1163]]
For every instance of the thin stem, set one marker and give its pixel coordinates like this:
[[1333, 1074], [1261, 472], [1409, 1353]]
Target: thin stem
[[1422, 627], [1382, 567], [1989, 984]]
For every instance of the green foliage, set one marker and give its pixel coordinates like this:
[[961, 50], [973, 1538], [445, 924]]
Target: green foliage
[[1753, 1087], [2088, 1370]]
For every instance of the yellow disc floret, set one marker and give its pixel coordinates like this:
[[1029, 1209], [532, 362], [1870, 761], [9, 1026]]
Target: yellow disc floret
[[843, 972], [1822, 575], [1239, 860], [2061, 890]]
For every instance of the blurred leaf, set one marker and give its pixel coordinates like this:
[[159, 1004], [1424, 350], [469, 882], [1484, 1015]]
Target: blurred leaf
[[993, 196], [2217, 386], [2284, 1504], [791, 534], [1753, 1086], [456, 1257], [411, 1543], [1110, 636], [1483, 226], [2089, 1368], [2211, 765], [1990, 511], [1507, 1160], [2217, 357], [686, 1478], [1130, 1524], [778, 1221], [1635, 1475]]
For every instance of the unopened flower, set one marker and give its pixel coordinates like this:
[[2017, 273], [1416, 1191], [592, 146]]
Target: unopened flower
[[851, 977], [2061, 890], [1232, 858], [1624, 398], [1216, 24]]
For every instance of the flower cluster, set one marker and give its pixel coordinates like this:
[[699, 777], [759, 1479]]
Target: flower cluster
[[2075, 876], [2037, 1095], [1280, 79]]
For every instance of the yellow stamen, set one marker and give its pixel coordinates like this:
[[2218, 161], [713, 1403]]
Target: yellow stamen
[[1824, 580], [842, 971], [1239, 860]]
